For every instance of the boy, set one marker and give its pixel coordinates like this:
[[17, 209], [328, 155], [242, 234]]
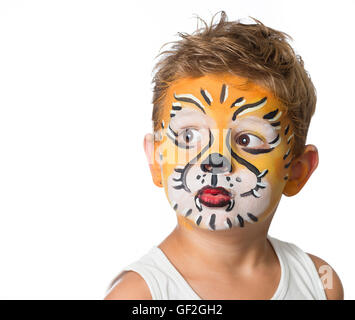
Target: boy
[[232, 107]]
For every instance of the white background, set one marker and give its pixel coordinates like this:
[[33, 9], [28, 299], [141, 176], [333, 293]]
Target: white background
[[76, 199]]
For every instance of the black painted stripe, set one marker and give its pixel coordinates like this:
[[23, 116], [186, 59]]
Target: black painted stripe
[[188, 212], [266, 171], [288, 142], [288, 164], [241, 220], [229, 208], [271, 114], [237, 101], [214, 180], [175, 206], [223, 93], [286, 155], [177, 107], [275, 124], [174, 133], [248, 193], [190, 101], [275, 140], [252, 217], [178, 187], [198, 221], [229, 223], [207, 99], [213, 221], [257, 151], [198, 208], [286, 130], [247, 106], [242, 161]]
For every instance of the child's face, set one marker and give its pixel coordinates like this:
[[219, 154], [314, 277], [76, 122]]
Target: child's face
[[225, 151]]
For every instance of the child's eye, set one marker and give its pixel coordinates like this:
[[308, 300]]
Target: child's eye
[[189, 137], [249, 140]]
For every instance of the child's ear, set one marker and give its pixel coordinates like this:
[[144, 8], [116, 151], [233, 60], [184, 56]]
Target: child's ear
[[150, 148], [302, 168]]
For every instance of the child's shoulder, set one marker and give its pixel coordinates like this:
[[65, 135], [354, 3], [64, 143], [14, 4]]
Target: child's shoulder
[[315, 267], [132, 282], [131, 286], [330, 280], [333, 287]]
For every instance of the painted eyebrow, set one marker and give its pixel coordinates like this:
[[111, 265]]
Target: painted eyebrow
[[190, 99], [248, 107]]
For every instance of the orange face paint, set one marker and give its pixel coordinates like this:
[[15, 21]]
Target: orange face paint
[[225, 151]]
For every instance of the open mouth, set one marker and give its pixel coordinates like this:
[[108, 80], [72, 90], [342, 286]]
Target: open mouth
[[214, 196]]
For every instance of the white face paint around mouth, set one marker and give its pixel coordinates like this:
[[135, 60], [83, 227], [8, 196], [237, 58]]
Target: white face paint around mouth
[[239, 210]]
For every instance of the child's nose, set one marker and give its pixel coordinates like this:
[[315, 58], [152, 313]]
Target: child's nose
[[216, 163]]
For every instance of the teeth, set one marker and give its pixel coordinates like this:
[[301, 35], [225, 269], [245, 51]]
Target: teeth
[[230, 205], [198, 204]]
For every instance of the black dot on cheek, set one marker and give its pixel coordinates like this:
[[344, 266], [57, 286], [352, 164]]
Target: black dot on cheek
[[203, 181], [231, 185], [198, 177], [228, 178]]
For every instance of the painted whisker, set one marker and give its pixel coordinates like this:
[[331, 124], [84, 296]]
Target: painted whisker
[[240, 220], [212, 222], [198, 221], [252, 217], [228, 223]]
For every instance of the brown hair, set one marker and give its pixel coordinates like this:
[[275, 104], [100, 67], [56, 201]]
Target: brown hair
[[254, 51]]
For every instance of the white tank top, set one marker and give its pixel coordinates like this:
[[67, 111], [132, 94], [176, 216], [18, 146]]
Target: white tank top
[[299, 277]]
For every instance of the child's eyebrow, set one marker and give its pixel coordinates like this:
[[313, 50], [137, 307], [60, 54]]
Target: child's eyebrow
[[188, 97], [245, 108]]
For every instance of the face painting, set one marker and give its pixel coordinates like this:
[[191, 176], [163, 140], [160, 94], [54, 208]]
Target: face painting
[[225, 151]]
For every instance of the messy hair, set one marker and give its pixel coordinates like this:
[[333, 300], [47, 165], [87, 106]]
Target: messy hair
[[259, 53]]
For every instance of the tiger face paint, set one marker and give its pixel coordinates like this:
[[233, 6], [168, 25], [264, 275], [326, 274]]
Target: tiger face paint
[[225, 150]]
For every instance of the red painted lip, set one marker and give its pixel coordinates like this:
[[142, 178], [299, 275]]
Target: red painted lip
[[214, 197]]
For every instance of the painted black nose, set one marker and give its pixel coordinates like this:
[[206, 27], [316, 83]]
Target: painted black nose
[[216, 163]]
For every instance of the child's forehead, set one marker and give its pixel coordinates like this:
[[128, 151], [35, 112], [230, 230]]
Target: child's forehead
[[218, 94], [213, 82]]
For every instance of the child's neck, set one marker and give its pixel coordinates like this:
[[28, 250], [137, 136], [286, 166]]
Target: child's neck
[[229, 251]]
